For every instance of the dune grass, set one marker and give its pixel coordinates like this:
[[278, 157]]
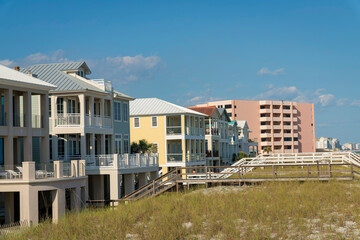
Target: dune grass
[[313, 210]]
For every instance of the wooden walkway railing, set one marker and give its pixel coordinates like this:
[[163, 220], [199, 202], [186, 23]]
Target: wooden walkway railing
[[237, 175]]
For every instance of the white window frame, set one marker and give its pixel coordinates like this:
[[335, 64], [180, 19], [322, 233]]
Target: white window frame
[[157, 123], [135, 121], [126, 113], [118, 113], [126, 138], [118, 138]]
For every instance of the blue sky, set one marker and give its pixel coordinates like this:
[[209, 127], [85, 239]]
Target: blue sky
[[190, 52]]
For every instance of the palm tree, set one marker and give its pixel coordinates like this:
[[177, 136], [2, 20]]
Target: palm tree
[[267, 150], [141, 147]]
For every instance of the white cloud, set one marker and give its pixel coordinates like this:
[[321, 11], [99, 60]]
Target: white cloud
[[134, 68], [355, 103], [194, 98], [7, 62], [39, 58], [266, 71], [291, 93], [326, 99], [342, 102]]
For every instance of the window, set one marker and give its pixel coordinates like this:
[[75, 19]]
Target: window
[[296, 139], [117, 111], [126, 112], [287, 139], [154, 122], [49, 107], [228, 106], [118, 144], [126, 144], [136, 122], [71, 106], [60, 105], [229, 114]]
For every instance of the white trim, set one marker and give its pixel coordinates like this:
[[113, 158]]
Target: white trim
[[157, 123], [134, 122]]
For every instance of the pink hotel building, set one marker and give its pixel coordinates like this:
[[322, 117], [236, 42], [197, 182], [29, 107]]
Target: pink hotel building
[[286, 127]]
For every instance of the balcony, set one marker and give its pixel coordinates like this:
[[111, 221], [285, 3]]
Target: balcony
[[265, 119], [278, 143], [277, 119], [276, 111], [294, 119], [67, 120], [277, 135], [213, 131], [288, 143], [296, 135], [122, 161], [174, 157], [287, 127], [277, 127], [19, 120], [286, 111], [287, 119], [37, 121], [294, 111], [265, 110], [266, 143], [174, 130], [265, 135], [265, 127]]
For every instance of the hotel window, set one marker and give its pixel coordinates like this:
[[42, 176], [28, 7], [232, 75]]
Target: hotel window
[[117, 111], [228, 106], [126, 144], [136, 122], [126, 112], [287, 139], [154, 122], [118, 144]]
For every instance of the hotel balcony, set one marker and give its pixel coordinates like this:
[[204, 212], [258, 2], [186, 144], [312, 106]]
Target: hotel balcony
[[287, 135], [294, 119], [265, 135], [288, 143], [295, 127], [267, 143], [287, 127], [174, 130], [287, 119], [265, 127], [174, 157], [286, 111], [277, 119], [294, 111], [296, 135], [277, 135], [265, 119], [277, 143], [277, 127], [296, 143], [265, 110], [276, 111]]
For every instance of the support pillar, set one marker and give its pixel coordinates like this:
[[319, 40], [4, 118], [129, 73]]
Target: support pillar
[[58, 205], [115, 184], [142, 179], [45, 156], [29, 205], [102, 148], [92, 143], [129, 183], [75, 199], [154, 175], [28, 124], [83, 146]]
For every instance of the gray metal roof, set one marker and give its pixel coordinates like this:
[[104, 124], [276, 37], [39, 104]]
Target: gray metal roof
[[53, 73], [12, 76], [155, 106], [122, 95]]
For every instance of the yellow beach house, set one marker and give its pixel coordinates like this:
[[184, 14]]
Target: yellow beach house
[[177, 132]]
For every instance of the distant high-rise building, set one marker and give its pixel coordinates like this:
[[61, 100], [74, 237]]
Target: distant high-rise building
[[285, 127]]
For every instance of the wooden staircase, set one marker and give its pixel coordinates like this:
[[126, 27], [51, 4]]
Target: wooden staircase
[[156, 187]]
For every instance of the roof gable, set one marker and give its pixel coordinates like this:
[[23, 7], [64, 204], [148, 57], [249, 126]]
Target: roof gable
[[12, 76], [155, 106], [54, 74], [209, 111]]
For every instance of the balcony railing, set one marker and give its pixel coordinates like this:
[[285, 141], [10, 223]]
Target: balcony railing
[[174, 157], [106, 160], [175, 130], [37, 121], [10, 171], [68, 120]]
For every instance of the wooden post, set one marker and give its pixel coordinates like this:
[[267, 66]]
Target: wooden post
[[308, 171], [330, 169], [239, 175], [206, 177], [352, 170], [153, 187], [273, 170], [318, 169]]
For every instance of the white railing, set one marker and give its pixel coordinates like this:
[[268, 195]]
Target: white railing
[[106, 160], [107, 122], [97, 121], [123, 161], [36, 121], [67, 120], [138, 160]]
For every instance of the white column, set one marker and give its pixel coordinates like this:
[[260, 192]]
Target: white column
[[9, 139], [91, 110], [82, 109], [83, 146], [29, 210], [53, 111], [115, 191], [28, 125], [44, 98], [103, 144], [102, 111], [58, 206], [92, 143]]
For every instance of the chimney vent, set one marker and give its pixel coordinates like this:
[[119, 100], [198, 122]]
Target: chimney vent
[[17, 68]]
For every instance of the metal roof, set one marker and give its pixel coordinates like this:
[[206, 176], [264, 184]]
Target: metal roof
[[53, 73], [242, 123], [122, 95], [11, 75], [155, 106]]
